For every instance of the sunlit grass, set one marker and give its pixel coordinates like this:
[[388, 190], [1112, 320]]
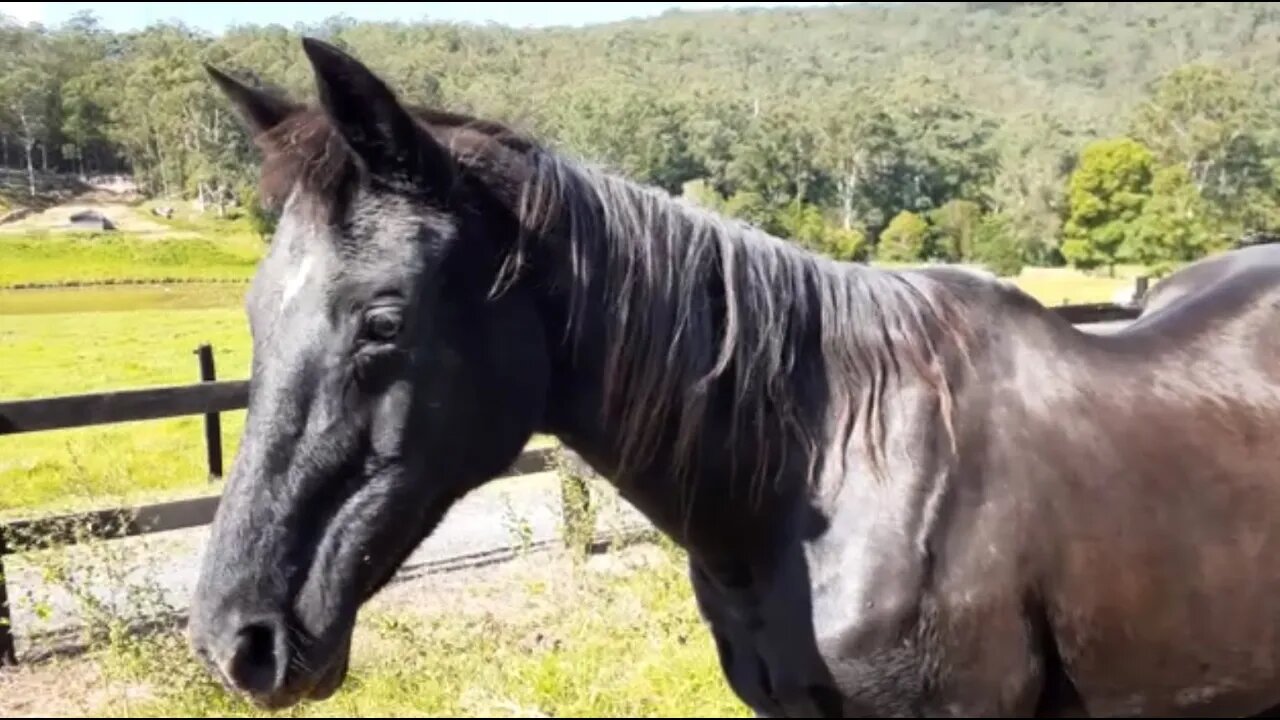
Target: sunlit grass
[[63, 258], [1064, 286], [546, 638]]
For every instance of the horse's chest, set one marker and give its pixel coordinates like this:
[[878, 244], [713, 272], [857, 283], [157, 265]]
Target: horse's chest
[[800, 649]]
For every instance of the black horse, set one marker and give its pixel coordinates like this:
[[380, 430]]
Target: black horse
[[914, 493], [1259, 256]]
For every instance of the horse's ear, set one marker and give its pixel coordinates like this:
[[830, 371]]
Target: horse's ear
[[369, 116], [258, 110]]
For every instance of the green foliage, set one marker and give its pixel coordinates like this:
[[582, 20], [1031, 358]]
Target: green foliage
[[1175, 225], [700, 192], [848, 244], [1211, 121], [969, 104], [954, 225], [905, 240], [996, 246], [1107, 193], [807, 226], [802, 224], [749, 207], [261, 222]]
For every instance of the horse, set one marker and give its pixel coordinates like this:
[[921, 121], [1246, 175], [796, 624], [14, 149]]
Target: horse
[[914, 492], [1260, 256]]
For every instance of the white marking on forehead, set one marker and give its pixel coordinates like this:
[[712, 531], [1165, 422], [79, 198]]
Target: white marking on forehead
[[295, 281]]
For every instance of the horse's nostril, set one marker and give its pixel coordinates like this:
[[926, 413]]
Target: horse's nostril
[[259, 658]]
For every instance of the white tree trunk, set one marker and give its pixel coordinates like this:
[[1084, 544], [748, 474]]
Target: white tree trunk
[[29, 144]]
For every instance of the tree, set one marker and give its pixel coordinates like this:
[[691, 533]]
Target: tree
[[1037, 154], [750, 207], [700, 192], [1175, 225], [990, 108], [1210, 121], [1107, 192], [803, 224], [26, 87], [777, 159], [848, 244], [905, 240], [914, 151], [996, 245], [954, 226]]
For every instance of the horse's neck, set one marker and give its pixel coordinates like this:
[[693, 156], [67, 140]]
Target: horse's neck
[[706, 491]]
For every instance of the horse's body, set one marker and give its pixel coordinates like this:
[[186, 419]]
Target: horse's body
[[1204, 274], [1104, 540], [913, 493]]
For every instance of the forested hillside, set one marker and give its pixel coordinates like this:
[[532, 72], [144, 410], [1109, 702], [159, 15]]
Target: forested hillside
[[1093, 133]]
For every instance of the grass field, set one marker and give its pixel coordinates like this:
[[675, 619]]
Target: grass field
[[48, 258], [55, 342]]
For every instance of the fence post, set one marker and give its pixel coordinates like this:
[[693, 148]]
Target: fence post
[[1140, 288], [8, 651], [212, 421]]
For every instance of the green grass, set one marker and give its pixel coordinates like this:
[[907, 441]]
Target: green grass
[[1061, 285], [62, 258], [1058, 286], [49, 345], [543, 638], [121, 298]]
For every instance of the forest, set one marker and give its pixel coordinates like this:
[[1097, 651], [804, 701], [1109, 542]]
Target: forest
[[999, 133]]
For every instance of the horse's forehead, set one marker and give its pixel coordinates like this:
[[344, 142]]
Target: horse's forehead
[[384, 239]]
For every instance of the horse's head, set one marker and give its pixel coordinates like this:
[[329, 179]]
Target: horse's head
[[387, 379]]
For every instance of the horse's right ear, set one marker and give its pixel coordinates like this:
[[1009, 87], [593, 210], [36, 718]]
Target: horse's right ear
[[258, 110]]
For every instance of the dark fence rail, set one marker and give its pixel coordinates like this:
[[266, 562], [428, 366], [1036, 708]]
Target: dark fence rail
[[1088, 314], [73, 411], [208, 398]]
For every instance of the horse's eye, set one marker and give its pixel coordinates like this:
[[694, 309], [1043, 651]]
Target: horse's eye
[[382, 324]]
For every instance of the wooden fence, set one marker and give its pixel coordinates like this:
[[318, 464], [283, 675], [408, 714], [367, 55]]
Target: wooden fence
[[208, 398]]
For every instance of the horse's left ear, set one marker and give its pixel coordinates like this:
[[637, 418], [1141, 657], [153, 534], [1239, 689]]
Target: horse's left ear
[[379, 130], [258, 110]]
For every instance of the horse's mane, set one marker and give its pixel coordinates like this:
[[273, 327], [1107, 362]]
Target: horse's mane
[[695, 299]]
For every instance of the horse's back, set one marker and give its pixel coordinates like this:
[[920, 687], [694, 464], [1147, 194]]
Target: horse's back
[[1210, 273], [1159, 492]]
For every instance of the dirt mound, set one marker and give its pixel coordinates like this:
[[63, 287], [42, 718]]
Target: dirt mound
[[123, 216]]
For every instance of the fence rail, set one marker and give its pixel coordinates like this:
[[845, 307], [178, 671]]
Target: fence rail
[[73, 411], [208, 398]]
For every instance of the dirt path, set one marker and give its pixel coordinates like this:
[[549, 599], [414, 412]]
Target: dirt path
[[127, 217]]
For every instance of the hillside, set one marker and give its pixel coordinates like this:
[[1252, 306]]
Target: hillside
[[824, 124]]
